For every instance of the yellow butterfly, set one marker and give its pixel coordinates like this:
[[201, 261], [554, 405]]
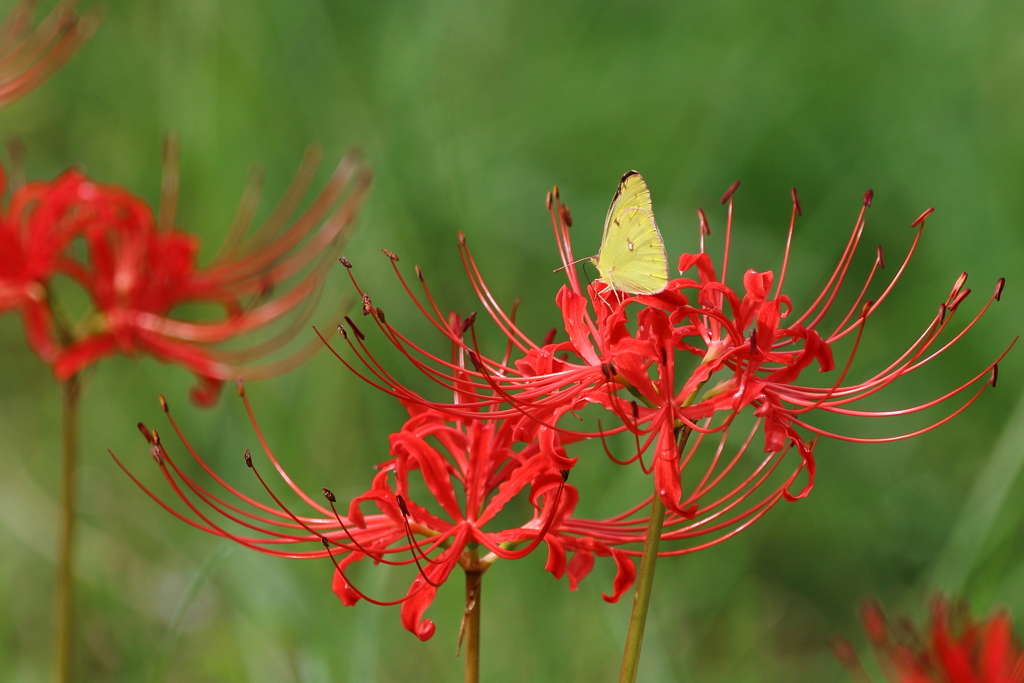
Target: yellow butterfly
[[632, 258]]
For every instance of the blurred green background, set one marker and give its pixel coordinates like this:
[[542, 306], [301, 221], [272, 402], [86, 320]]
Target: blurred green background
[[469, 113]]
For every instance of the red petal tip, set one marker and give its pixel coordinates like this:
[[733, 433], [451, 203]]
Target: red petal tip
[[728, 193], [920, 219]]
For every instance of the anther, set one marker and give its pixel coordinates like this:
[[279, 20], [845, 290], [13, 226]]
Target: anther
[[753, 342], [380, 314], [155, 452], [550, 336], [999, 287], [345, 262], [957, 285], [474, 359], [868, 196], [419, 273], [468, 322], [323, 539], [390, 254], [145, 432], [355, 329], [704, 227], [549, 201], [248, 458], [728, 193], [240, 386], [329, 495], [796, 203], [565, 474], [163, 404], [401, 505], [920, 219], [367, 306], [563, 213], [995, 374], [636, 410], [959, 299], [664, 356], [612, 371], [881, 259], [865, 310], [156, 438], [342, 332], [554, 191], [462, 239]]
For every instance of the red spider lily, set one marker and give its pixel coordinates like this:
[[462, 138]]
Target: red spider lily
[[689, 360], [954, 649], [29, 55], [139, 269], [470, 472]]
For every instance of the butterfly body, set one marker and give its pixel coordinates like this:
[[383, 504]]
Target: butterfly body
[[632, 259]]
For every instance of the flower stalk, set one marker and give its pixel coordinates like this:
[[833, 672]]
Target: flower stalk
[[472, 624], [64, 595], [645, 581]]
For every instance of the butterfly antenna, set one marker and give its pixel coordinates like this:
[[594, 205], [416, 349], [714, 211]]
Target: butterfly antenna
[[579, 260]]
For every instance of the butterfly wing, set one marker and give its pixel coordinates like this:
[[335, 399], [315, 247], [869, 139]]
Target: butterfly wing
[[632, 257]]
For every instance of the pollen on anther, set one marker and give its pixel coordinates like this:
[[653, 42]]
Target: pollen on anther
[[163, 403], [796, 203], [390, 254], [728, 193], [920, 219], [554, 191], [345, 262], [342, 332], [329, 495], [156, 438], [248, 458], [999, 288], [367, 306]]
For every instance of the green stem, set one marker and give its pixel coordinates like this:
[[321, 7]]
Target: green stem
[[473, 584], [645, 582], [63, 635]]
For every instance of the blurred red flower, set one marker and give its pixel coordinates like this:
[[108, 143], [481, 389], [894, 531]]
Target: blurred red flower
[[954, 648], [31, 54], [136, 270]]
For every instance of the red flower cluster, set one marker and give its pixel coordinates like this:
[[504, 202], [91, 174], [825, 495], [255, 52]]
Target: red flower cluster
[[698, 359], [953, 649], [693, 359], [137, 269], [28, 56]]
